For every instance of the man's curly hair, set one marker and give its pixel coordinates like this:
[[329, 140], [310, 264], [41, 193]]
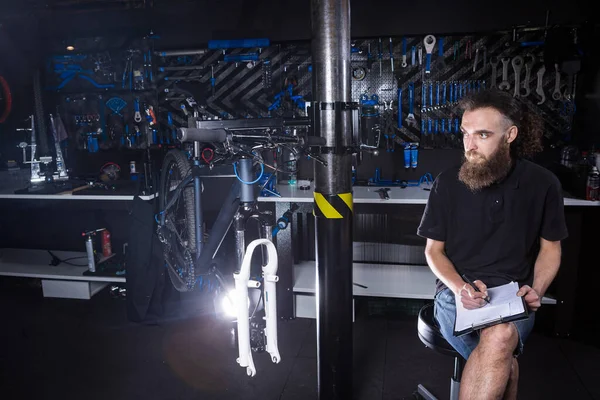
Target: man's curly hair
[[530, 126]]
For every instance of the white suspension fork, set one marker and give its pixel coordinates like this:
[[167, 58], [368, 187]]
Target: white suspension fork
[[242, 283]]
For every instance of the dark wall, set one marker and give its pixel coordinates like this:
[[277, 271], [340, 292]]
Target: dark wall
[[195, 22]]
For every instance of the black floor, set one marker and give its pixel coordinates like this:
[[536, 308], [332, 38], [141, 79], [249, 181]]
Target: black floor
[[70, 349]]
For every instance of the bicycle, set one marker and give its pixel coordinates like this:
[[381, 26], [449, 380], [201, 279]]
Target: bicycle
[[188, 251]]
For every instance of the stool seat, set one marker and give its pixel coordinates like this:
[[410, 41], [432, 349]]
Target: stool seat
[[430, 334]]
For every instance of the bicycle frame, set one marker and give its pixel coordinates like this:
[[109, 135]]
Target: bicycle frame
[[239, 207]]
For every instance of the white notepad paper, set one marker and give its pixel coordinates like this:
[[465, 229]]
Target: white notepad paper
[[504, 305]]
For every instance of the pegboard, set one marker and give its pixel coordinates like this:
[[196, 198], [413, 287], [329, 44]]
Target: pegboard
[[241, 91], [459, 55], [83, 85], [250, 89]]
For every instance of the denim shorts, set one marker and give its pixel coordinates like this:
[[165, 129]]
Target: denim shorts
[[445, 315]]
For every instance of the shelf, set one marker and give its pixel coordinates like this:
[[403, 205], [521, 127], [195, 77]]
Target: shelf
[[28, 263]]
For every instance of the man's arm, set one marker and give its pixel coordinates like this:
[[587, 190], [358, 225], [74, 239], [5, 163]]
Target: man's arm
[[544, 272], [443, 268]]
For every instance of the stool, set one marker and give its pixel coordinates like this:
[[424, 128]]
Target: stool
[[431, 336]]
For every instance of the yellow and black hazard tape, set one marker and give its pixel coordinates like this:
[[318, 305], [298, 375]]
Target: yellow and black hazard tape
[[334, 206]]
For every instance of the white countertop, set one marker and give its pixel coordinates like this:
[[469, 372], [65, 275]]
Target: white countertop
[[361, 194], [69, 197], [11, 181], [369, 195], [34, 263]]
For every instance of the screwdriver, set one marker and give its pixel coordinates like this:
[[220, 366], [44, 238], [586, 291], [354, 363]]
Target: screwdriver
[[380, 56], [391, 54]]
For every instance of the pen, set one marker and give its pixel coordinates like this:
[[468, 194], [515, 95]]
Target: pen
[[487, 298]]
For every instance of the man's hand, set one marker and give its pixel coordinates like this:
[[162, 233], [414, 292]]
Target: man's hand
[[472, 299], [532, 298]]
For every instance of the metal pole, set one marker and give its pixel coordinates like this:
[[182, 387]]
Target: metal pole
[[333, 196]]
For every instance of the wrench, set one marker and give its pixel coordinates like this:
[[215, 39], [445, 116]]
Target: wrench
[[404, 64], [528, 66], [429, 43], [413, 51], [399, 107], [476, 59], [556, 95], [441, 58], [410, 118], [540, 88], [517, 63], [494, 63], [420, 51], [137, 115], [504, 85]]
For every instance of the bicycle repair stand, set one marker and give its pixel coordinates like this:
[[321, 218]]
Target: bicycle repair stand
[[39, 177]]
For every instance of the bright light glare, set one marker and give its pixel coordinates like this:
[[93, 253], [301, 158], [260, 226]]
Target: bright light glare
[[228, 303], [70, 48]]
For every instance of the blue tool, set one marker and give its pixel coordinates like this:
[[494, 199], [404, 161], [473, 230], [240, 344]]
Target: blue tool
[[414, 156], [407, 156], [399, 107], [145, 65], [404, 64], [241, 57], [444, 94], [380, 56], [150, 65], [116, 104], [173, 130], [430, 96], [429, 43], [240, 43], [441, 59], [70, 72]]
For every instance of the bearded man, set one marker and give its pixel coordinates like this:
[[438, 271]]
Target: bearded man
[[496, 218]]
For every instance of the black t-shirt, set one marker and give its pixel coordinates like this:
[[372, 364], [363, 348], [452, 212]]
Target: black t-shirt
[[493, 234]]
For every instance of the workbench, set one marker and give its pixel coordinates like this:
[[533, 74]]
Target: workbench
[[33, 222], [395, 280]]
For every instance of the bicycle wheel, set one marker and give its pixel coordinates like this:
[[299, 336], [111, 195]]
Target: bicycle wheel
[[179, 234]]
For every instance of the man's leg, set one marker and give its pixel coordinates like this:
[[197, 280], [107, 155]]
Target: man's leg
[[489, 366], [445, 316], [513, 381]]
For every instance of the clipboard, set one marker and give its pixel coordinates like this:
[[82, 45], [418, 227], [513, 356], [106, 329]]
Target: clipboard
[[503, 315]]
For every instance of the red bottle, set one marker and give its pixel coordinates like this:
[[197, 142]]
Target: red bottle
[[106, 246]]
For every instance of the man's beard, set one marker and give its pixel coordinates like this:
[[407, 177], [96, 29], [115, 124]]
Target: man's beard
[[481, 172]]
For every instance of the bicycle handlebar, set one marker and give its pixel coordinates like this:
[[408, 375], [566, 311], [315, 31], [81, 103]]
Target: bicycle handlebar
[[220, 136], [201, 135]]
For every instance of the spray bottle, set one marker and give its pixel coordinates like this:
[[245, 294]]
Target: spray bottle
[[89, 248]]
